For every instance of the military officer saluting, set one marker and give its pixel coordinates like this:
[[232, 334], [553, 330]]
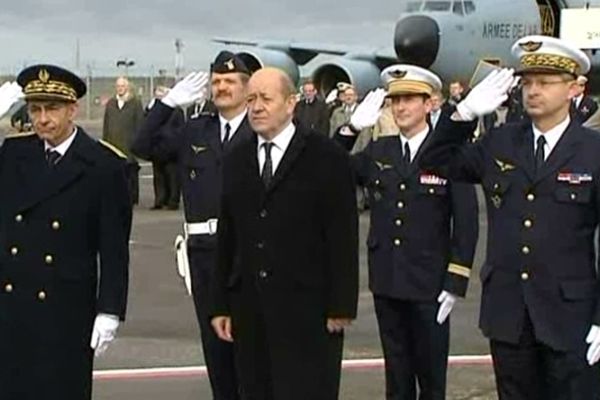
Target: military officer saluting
[[65, 219], [422, 236], [199, 147], [540, 302]]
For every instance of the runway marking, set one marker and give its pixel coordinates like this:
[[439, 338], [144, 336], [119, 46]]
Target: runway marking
[[200, 371]]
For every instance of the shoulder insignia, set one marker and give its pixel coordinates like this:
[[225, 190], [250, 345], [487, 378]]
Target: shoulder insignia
[[383, 166], [504, 167], [198, 149], [112, 148], [19, 135]]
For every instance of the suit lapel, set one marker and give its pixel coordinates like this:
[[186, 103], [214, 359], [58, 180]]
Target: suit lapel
[[565, 149], [523, 143], [213, 130], [289, 157], [243, 132]]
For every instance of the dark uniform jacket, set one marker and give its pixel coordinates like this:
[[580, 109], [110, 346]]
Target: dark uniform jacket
[[288, 260], [540, 253], [586, 109], [64, 236], [423, 228], [121, 125], [198, 150]]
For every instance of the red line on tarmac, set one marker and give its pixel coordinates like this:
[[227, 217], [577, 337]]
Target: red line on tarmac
[[200, 371]]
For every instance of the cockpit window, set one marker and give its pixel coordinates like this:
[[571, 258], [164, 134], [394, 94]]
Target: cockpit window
[[437, 6], [457, 7], [414, 6], [469, 7]]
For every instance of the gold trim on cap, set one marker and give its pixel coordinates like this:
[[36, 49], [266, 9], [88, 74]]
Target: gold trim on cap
[[38, 89], [399, 87], [551, 62], [460, 270]]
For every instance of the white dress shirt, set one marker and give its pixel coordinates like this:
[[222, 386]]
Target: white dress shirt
[[234, 123], [577, 100], [435, 117], [552, 136], [64, 146], [415, 142], [280, 145]]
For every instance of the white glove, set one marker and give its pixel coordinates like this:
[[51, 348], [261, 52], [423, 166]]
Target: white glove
[[183, 262], [11, 97], [331, 96], [367, 113], [104, 332], [191, 89], [593, 339], [447, 301], [488, 95]]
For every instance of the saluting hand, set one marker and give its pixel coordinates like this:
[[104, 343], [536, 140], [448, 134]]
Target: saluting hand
[[367, 113], [222, 327], [337, 325], [487, 96], [191, 89], [11, 95]]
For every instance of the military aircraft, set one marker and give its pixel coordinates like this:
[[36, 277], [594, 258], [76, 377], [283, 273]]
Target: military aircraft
[[450, 37]]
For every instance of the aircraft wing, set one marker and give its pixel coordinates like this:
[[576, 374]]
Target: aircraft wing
[[303, 52]]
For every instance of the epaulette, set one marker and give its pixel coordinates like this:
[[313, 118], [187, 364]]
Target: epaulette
[[19, 135], [112, 148]]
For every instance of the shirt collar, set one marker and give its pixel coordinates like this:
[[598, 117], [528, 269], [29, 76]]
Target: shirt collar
[[64, 146], [553, 135], [234, 122], [415, 142], [282, 140]]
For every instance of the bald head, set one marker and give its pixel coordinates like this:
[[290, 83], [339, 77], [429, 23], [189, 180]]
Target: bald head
[[271, 101]]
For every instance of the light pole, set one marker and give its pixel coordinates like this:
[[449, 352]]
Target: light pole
[[126, 63]]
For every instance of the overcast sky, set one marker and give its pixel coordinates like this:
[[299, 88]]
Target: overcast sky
[[144, 30]]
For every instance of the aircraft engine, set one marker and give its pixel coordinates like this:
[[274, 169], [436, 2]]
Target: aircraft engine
[[259, 58], [364, 75]]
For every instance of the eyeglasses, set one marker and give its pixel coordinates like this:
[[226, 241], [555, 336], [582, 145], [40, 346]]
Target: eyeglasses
[[526, 83]]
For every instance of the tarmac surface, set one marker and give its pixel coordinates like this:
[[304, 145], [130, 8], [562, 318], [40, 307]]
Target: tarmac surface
[[161, 328]]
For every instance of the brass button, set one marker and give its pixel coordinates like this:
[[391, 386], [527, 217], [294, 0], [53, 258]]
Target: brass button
[[496, 186], [55, 225], [260, 245], [431, 191], [398, 222], [263, 274], [42, 295], [19, 218], [377, 182], [193, 174], [8, 288], [402, 187], [524, 276], [526, 250], [573, 196], [14, 251], [527, 223], [400, 204], [397, 242], [263, 213], [530, 197], [49, 259]]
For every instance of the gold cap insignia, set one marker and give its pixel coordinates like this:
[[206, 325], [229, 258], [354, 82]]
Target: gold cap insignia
[[229, 64], [398, 74], [44, 76], [530, 46]]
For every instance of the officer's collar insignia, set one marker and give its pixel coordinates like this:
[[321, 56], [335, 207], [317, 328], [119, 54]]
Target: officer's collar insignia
[[383, 166], [530, 46], [398, 73], [44, 76], [504, 167], [229, 64], [496, 200], [198, 149]]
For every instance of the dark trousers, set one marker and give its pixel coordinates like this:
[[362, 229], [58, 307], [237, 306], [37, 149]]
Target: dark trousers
[[415, 348], [167, 190], [218, 354], [531, 370], [133, 181]]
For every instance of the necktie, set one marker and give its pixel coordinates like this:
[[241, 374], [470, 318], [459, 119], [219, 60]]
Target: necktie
[[227, 134], [539, 153], [267, 172], [406, 156], [52, 157]]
